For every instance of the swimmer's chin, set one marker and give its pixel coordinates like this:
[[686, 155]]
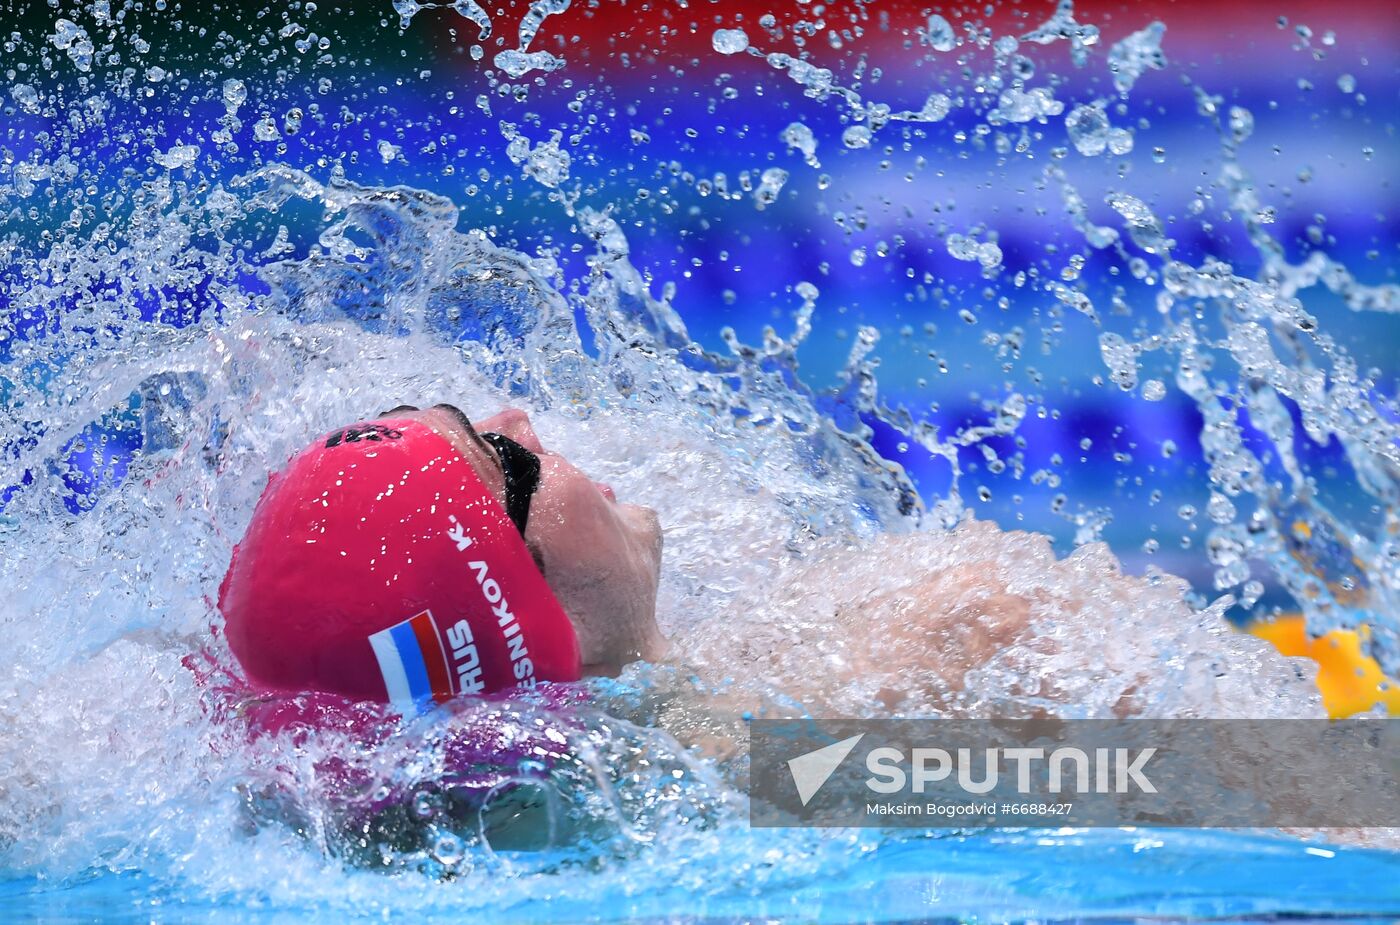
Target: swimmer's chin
[[655, 649]]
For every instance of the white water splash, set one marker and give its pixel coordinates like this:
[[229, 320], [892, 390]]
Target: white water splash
[[112, 760]]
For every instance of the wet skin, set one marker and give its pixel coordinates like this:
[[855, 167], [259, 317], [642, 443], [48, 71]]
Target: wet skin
[[601, 558]]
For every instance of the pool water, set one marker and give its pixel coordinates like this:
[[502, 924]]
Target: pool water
[[844, 291], [1056, 876]]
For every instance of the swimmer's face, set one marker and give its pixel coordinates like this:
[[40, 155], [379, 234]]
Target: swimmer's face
[[601, 558]]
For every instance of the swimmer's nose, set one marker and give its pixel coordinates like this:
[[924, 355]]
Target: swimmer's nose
[[515, 424]]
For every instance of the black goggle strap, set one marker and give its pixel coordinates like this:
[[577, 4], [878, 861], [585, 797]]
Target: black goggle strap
[[522, 472]]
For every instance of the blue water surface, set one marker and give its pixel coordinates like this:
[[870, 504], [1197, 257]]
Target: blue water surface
[[988, 876]]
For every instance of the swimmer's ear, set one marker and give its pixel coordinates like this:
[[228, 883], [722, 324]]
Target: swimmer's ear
[[536, 554]]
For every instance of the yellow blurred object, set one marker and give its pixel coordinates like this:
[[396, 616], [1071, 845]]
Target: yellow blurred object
[[1350, 681]]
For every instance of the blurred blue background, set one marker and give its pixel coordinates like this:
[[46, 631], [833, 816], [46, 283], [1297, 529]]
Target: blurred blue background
[[657, 125]]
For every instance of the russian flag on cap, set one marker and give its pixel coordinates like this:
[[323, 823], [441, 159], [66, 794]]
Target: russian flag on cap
[[413, 661]]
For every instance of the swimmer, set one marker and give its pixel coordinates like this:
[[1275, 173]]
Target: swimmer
[[418, 557]]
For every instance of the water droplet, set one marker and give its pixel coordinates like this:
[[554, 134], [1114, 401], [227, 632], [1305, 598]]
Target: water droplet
[[266, 129], [518, 63], [770, 185], [1135, 54], [939, 34], [72, 38], [1220, 510], [177, 157], [1241, 123], [1015, 105], [857, 136], [546, 163], [27, 98], [448, 849], [1088, 129], [730, 41], [799, 137]]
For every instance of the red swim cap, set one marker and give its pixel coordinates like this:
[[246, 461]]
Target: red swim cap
[[378, 566]]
